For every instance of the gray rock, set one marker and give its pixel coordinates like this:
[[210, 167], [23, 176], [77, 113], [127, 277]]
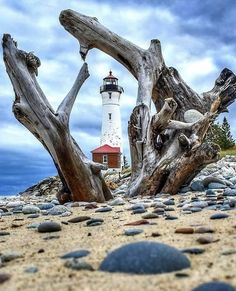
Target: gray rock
[[34, 215], [212, 179], [197, 186], [199, 204], [9, 256], [219, 216], [30, 209], [139, 211], [216, 186], [94, 221], [31, 269], [230, 192], [76, 254], [58, 210], [13, 204], [133, 231], [214, 286], [45, 206], [103, 209], [116, 202], [192, 115], [193, 251], [49, 226], [145, 257], [78, 265], [150, 215], [4, 233]]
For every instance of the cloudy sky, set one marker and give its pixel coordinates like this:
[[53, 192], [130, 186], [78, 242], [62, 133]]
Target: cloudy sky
[[198, 38]]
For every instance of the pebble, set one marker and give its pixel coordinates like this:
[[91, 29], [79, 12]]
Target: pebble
[[4, 277], [230, 192], [229, 252], [94, 221], [78, 265], [34, 215], [79, 219], [116, 202], [169, 217], [138, 222], [145, 257], [139, 211], [204, 229], [76, 254], [133, 231], [219, 216], [4, 233], [214, 286], [205, 240], [58, 210], [30, 209], [103, 209], [185, 230], [197, 186], [51, 237], [13, 204], [9, 256], [49, 226], [45, 206], [193, 251], [150, 216], [216, 186], [31, 269]]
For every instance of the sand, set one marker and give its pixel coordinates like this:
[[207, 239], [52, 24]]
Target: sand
[[100, 240]]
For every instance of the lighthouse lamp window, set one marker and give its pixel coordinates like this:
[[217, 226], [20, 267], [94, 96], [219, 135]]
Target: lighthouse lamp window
[[104, 159]]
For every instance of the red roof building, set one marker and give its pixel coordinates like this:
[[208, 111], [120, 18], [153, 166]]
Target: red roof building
[[107, 155]]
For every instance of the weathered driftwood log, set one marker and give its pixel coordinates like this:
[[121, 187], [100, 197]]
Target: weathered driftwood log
[[81, 178], [167, 149]]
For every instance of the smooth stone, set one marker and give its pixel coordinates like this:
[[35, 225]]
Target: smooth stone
[[210, 192], [199, 204], [67, 213], [4, 277], [229, 192], [139, 211], [145, 257], [150, 216], [31, 269], [51, 237], [34, 215], [30, 209], [78, 265], [219, 216], [214, 185], [185, 230], [187, 212], [211, 179], [49, 226], [204, 229], [13, 204], [45, 206], [138, 222], [228, 252], [33, 225], [137, 206], [169, 217], [76, 254], [103, 209], [4, 233], [116, 202], [94, 222], [192, 115], [169, 202], [58, 210], [79, 219], [6, 214], [193, 251], [205, 240], [9, 256], [197, 186], [214, 286], [133, 231], [169, 209]]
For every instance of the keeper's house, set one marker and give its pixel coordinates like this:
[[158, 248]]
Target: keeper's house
[[107, 155]]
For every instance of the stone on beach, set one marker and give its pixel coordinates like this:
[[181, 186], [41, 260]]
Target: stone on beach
[[49, 226], [145, 257]]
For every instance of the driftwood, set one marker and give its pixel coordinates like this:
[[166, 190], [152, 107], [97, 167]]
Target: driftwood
[[167, 149], [81, 178]]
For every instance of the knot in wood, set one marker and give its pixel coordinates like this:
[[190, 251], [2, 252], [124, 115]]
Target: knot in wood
[[33, 62]]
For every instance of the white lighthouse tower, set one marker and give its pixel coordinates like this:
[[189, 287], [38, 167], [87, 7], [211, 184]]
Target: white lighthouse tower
[[111, 120]]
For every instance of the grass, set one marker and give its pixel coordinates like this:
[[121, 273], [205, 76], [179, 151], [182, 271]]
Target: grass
[[231, 152]]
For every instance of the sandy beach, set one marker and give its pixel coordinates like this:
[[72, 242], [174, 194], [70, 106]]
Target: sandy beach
[[43, 250]]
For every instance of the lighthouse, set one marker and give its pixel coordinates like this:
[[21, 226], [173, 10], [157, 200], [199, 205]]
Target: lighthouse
[[110, 150]]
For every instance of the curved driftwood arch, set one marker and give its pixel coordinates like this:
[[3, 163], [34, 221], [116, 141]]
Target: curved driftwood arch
[[167, 149]]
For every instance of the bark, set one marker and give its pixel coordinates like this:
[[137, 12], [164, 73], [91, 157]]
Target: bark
[[166, 151], [81, 178]]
